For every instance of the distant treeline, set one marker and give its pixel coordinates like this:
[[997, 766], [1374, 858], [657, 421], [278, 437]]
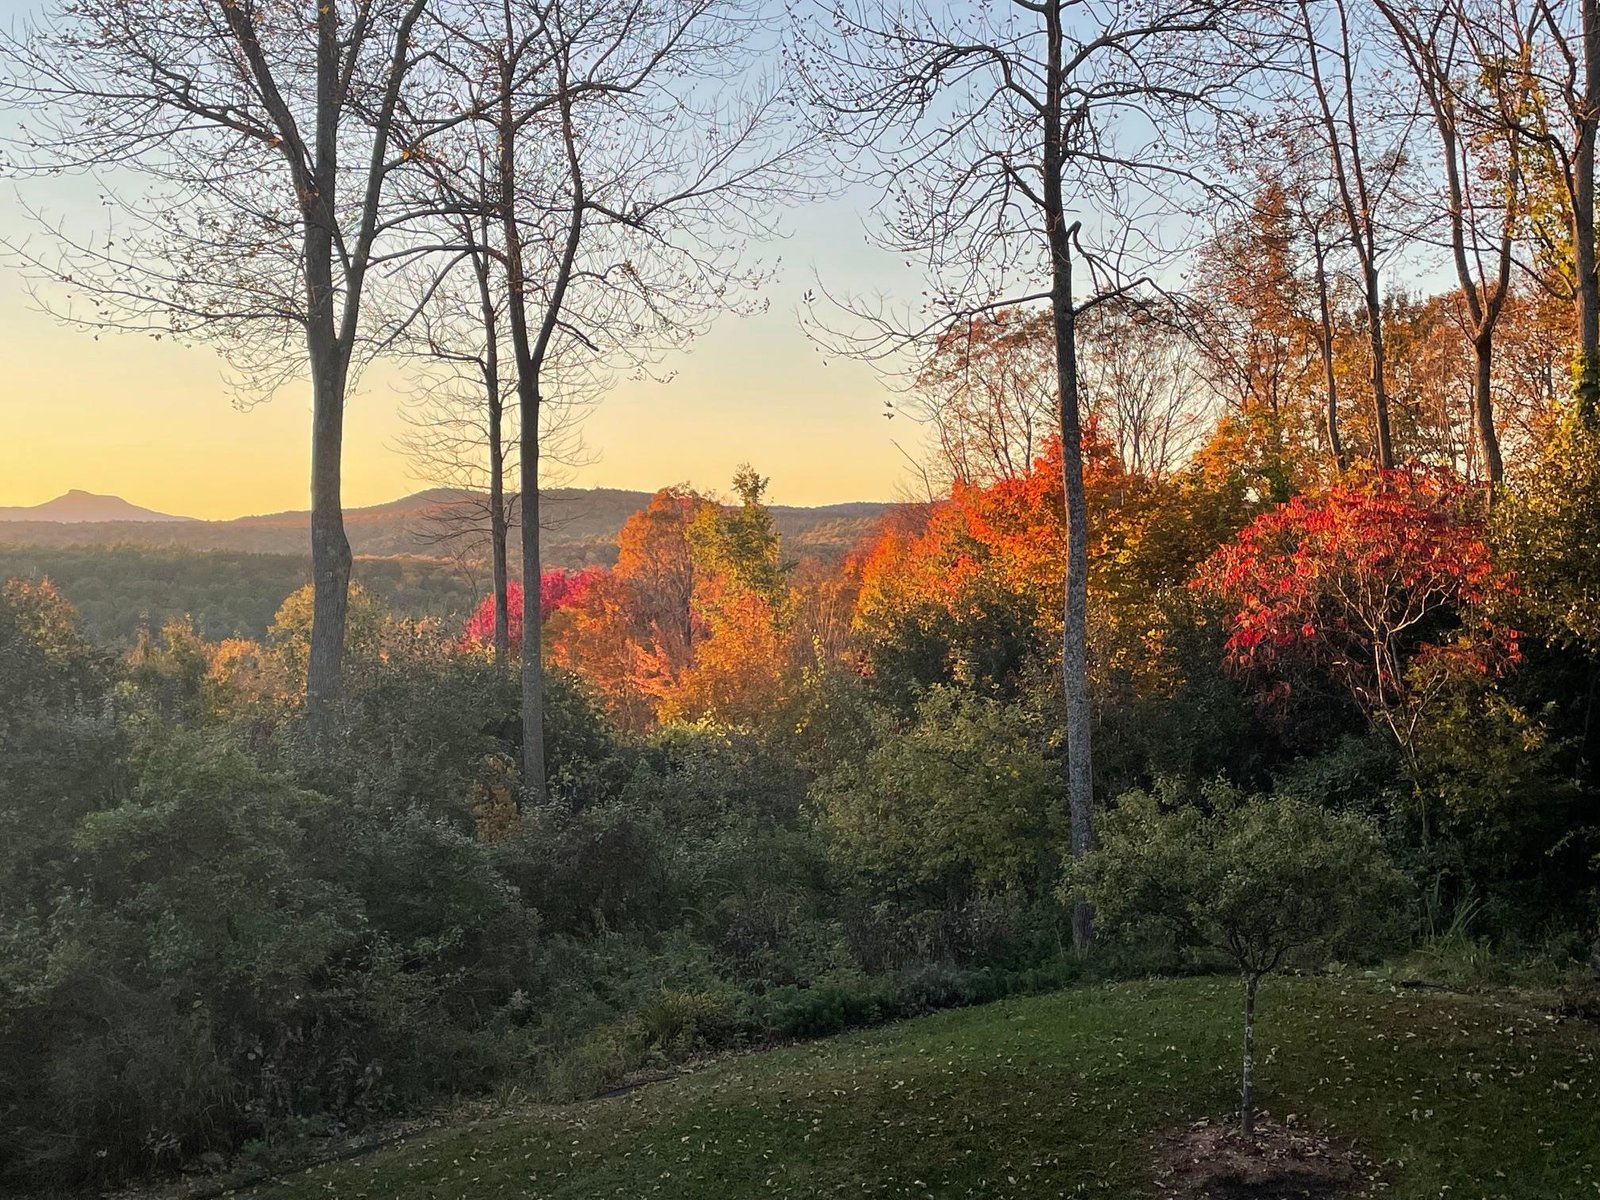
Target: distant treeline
[[122, 589]]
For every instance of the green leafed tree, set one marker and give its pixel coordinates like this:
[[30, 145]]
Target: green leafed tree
[[741, 541], [1267, 880]]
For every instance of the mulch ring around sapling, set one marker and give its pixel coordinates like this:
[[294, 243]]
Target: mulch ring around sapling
[[1212, 1160]]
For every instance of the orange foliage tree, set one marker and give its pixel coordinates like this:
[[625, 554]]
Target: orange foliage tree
[[968, 589], [633, 633], [701, 617], [741, 672]]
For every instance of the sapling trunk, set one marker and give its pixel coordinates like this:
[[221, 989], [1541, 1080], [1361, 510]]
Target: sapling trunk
[[1247, 1096]]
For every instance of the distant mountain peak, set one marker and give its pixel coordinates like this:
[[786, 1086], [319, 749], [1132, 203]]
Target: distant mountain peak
[[77, 507]]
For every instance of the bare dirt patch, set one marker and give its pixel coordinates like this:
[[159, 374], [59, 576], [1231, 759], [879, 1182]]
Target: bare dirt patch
[[1212, 1160]]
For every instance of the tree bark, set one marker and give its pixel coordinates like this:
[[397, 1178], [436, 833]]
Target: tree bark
[[329, 356], [534, 783], [1483, 402], [533, 764], [1247, 1082], [1380, 389], [330, 548], [1586, 391], [1329, 377], [1075, 608], [498, 548]]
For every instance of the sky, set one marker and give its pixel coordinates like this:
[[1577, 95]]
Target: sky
[[156, 423]]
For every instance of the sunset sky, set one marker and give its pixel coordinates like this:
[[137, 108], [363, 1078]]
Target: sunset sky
[[155, 423]]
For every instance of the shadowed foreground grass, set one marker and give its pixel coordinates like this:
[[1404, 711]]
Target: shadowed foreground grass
[[1063, 1095]]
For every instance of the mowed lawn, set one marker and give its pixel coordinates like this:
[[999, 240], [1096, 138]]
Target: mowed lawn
[[1062, 1095]]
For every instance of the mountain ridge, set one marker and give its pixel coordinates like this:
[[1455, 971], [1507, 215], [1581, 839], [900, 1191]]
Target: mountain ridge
[[78, 507], [581, 527]]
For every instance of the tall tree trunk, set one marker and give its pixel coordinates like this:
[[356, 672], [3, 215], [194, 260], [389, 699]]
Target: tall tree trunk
[[329, 357], [330, 548], [1587, 382], [534, 784], [1075, 625], [1247, 1080], [1380, 390], [533, 768], [499, 550], [497, 457], [1075, 606], [1483, 402], [1330, 380]]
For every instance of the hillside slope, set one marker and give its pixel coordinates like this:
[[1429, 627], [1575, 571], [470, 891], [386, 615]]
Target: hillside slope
[[1065, 1095], [79, 507], [582, 526]]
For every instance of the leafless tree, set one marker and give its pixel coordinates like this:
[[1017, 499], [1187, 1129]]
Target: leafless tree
[[1474, 104], [1139, 387], [1026, 153], [985, 390], [1365, 139], [462, 411], [636, 149], [459, 437], [249, 148]]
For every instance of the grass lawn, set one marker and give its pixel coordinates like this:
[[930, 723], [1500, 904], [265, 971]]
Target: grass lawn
[[1064, 1095]]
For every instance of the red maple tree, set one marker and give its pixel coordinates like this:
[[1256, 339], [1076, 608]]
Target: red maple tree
[[1379, 581], [558, 588]]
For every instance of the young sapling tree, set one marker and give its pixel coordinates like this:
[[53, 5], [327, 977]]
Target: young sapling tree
[[1267, 880]]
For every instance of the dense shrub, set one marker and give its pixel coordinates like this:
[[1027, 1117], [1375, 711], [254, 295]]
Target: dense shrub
[[957, 801]]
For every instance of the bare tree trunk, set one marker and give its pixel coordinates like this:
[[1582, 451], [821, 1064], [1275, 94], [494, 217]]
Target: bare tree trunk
[[1587, 389], [533, 766], [1380, 390], [1483, 402], [1355, 197], [498, 548], [330, 548], [1247, 1081], [1075, 623], [1329, 378], [497, 458], [533, 774]]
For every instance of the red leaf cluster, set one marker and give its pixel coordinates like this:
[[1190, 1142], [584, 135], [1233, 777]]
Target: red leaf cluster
[[1369, 580], [558, 588]]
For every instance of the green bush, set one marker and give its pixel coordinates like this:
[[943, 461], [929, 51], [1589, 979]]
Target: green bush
[[955, 803]]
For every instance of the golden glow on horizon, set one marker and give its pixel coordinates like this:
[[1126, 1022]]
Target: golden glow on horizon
[[152, 422]]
